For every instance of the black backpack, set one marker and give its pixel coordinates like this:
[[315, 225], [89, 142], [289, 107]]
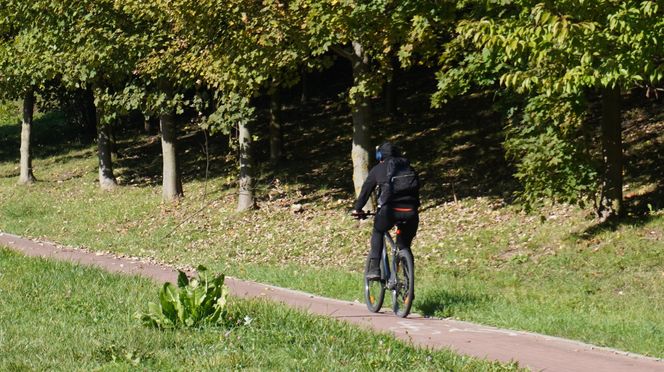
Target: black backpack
[[402, 180]]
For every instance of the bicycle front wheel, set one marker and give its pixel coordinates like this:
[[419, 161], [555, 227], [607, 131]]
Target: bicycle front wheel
[[403, 293], [374, 290]]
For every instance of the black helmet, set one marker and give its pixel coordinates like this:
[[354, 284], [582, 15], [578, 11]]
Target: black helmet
[[387, 150]]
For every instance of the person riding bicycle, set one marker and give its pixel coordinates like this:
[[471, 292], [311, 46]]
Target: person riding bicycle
[[396, 203]]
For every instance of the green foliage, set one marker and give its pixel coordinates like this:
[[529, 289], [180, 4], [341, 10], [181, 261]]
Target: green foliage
[[26, 60], [231, 111], [551, 152], [193, 303], [10, 112], [553, 54], [210, 56], [563, 47], [384, 30]]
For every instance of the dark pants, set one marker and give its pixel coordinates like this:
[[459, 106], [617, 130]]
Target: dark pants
[[385, 220]]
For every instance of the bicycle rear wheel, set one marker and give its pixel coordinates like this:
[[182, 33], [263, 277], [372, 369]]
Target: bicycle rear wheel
[[403, 293], [374, 290]]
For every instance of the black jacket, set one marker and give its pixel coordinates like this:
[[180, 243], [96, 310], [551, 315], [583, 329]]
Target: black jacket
[[378, 176]]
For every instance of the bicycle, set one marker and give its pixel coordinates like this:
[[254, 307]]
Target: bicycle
[[399, 277]]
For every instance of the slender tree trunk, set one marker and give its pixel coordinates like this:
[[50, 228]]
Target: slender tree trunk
[[390, 88], [171, 181], [304, 81], [106, 178], [246, 192], [276, 135], [361, 112], [611, 202], [26, 177], [147, 125], [114, 142], [89, 113]]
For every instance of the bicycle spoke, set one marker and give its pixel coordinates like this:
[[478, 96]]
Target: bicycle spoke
[[374, 292], [402, 295]]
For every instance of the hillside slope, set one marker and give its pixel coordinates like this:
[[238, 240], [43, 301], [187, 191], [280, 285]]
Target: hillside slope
[[478, 256]]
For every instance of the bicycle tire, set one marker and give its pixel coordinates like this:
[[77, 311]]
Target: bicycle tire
[[404, 292], [374, 290]]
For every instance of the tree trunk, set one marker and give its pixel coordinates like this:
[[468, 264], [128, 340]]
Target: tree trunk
[[26, 176], [611, 201], [171, 181], [89, 114], [106, 177], [112, 130], [147, 125], [361, 110], [304, 81], [246, 193], [390, 88], [276, 135]]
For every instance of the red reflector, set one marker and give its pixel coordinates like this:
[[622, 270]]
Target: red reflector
[[398, 232]]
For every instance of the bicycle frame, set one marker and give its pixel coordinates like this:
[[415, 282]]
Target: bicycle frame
[[390, 278], [389, 268]]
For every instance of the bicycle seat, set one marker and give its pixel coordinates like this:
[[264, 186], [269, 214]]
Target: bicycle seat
[[398, 226]]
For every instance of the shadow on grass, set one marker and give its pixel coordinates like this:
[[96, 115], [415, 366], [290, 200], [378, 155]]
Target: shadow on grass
[[457, 149], [139, 162], [444, 303], [644, 158], [317, 152], [51, 136], [639, 212], [643, 135]]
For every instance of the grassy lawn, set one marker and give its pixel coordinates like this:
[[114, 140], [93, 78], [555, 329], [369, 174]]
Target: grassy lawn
[[477, 258], [57, 316]]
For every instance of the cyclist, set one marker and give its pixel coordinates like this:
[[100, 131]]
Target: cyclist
[[397, 207]]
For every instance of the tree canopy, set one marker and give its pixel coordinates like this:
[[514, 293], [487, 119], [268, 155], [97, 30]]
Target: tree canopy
[[548, 59], [554, 53]]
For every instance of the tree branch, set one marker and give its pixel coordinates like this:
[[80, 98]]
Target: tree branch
[[344, 53]]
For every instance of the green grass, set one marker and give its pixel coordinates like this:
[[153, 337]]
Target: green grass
[[555, 272], [521, 273], [58, 316]]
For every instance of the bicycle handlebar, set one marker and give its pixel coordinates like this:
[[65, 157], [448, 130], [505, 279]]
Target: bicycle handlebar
[[363, 215]]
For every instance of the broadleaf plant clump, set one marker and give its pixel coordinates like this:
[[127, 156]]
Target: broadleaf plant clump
[[194, 302]]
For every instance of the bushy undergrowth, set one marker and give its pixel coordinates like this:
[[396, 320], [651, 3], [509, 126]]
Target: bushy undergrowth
[[551, 152], [193, 303]]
